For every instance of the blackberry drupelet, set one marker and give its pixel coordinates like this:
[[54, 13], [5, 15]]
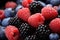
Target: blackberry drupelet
[[15, 22], [26, 30], [43, 32], [31, 37], [36, 6]]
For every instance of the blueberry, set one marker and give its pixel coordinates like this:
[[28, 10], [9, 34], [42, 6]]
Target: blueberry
[[5, 22], [9, 12], [54, 36], [13, 13], [2, 34], [18, 7], [19, 1], [42, 3], [55, 2]]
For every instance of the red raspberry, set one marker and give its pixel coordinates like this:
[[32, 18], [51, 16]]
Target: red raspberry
[[10, 5], [55, 25], [12, 33], [49, 13], [30, 1], [24, 14], [35, 20], [26, 3], [2, 15]]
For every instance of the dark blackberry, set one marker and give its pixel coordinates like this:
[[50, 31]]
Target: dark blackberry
[[15, 22], [36, 6], [31, 37], [26, 30], [43, 32]]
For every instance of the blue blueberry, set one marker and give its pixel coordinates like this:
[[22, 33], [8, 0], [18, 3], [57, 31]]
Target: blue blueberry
[[13, 13], [42, 3], [2, 34], [9, 12], [5, 22], [55, 2], [19, 1], [18, 7], [54, 36]]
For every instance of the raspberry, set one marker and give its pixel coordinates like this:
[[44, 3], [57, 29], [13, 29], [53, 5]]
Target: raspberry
[[35, 20], [24, 14], [43, 32], [49, 13], [10, 5], [12, 33], [30, 1], [55, 25], [26, 3], [2, 15]]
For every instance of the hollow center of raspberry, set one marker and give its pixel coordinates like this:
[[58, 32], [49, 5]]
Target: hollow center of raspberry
[[14, 35]]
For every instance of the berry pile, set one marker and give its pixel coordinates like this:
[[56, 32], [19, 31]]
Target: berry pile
[[30, 20]]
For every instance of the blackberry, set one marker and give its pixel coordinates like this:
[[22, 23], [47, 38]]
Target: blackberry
[[26, 30], [36, 6], [43, 32], [31, 37], [15, 22]]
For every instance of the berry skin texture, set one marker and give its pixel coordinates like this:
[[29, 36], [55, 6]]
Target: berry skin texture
[[5, 22], [30, 1], [26, 3], [12, 33], [55, 2], [15, 21], [18, 7], [49, 13], [24, 14], [9, 12], [54, 36], [31, 37], [10, 5], [43, 32], [26, 30], [2, 33], [36, 19], [2, 15], [55, 25], [36, 6]]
